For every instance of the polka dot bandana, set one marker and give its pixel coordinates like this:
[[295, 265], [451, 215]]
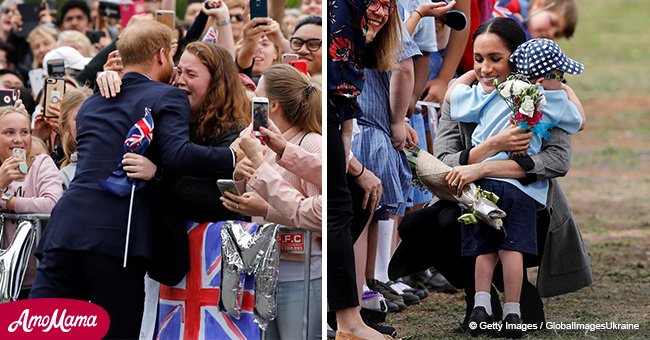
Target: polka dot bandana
[[536, 57]]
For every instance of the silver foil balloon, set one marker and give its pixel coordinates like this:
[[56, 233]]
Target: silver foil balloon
[[231, 268], [432, 172], [256, 254], [266, 278], [13, 261]]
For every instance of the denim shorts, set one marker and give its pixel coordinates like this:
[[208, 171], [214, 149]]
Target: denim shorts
[[520, 223]]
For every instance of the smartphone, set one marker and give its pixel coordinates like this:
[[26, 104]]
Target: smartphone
[[260, 114], [301, 65], [259, 9], [22, 154], [8, 97], [129, 9], [109, 9], [53, 94], [29, 12], [167, 18], [227, 185], [55, 68], [287, 58]]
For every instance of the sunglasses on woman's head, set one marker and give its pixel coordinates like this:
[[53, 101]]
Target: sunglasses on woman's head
[[239, 17]]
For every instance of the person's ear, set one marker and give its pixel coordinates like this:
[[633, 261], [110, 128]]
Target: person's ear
[[274, 106], [160, 56]]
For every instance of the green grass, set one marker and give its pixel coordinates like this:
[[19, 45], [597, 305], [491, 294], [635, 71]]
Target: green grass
[[612, 39], [623, 157]]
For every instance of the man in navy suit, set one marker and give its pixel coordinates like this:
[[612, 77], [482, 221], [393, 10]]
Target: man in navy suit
[[82, 248]]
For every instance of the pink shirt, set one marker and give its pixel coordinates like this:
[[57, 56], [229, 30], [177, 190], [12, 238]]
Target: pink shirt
[[294, 193], [37, 194]]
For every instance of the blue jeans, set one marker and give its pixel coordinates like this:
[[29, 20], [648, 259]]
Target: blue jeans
[[288, 323]]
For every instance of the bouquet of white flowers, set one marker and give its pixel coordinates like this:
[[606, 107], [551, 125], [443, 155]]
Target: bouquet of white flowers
[[526, 101], [430, 172]]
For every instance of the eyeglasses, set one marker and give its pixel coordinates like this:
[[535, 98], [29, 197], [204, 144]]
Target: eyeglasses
[[387, 5], [313, 45], [239, 17]]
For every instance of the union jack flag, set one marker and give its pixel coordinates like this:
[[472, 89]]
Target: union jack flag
[[140, 135], [211, 36], [190, 310], [137, 140]]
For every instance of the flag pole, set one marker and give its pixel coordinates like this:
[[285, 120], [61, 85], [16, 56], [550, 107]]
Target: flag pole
[[128, 226]]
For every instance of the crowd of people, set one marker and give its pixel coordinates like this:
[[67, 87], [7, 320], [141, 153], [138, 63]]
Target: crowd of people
[[84, 81], [391, 89]]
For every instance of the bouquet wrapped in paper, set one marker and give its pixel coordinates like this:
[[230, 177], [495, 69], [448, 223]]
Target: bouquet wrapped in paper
[[430, 172], [525, 101]]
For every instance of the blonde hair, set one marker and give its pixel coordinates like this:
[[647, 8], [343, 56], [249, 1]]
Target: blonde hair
[[45, 32], [71, 100], [299, 98], [77, 39], [140, 42], [226, 105], [381, 53], [5, 110], [38, 142]]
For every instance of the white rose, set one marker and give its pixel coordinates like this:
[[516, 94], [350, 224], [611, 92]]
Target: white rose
[[519, 86], [527, 106], [505, 89]]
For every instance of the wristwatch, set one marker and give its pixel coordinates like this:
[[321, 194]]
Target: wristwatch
[[5, 198]]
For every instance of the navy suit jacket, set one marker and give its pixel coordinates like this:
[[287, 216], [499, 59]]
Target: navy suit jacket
[[91, 219]]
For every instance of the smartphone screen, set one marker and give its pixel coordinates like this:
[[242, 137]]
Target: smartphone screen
[[287, 58], [8, 97], [110, 9], [166, 18], [260, 114], [56, 68], [259, 9], [53, 94]]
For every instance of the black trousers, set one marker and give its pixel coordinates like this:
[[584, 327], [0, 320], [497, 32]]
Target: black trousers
[[98, 278], [341, 277], [433, 237]]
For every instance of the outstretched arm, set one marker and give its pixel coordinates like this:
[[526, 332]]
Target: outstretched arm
[[401, 87]]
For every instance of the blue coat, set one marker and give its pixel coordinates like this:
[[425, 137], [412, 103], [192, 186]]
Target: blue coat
[[91, 219]]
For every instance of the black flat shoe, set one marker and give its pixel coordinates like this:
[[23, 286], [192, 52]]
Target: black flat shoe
[[477, 322], [512, 327]]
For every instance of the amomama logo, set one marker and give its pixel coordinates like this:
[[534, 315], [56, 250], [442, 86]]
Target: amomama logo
[[52, 319]]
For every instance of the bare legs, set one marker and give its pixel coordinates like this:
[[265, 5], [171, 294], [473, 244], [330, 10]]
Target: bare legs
[[513, 264]]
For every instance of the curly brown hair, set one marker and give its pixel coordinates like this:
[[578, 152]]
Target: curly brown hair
[[226, 105]]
